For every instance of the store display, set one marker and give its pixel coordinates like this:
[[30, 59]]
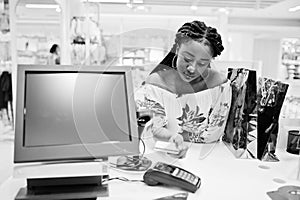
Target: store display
[[78, 54], [6, 111], [133, 56], [34, 49], [35, 32], [4, 18], [97, 54], [87, 42], [291, 108], [291, 57], [76, 30], [5, 51]]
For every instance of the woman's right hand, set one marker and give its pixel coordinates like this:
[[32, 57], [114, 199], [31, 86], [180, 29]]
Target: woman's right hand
[[182, 147]]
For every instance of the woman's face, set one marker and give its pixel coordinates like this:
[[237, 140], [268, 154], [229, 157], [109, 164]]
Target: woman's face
[[193, 59]]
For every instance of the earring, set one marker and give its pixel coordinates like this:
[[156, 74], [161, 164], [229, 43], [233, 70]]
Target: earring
[[174, 62]]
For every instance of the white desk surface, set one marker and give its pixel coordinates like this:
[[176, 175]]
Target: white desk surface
[[223, 176]]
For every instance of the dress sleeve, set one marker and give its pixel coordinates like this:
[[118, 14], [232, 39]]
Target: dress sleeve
[[218, 113], [149, 101]]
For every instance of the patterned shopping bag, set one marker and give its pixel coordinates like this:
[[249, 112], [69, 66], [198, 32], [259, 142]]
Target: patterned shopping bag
[[271, 95], [252, 126], [240, 129]]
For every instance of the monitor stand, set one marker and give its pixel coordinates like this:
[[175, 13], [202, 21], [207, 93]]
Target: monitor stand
[[85, 187], [80, 179]]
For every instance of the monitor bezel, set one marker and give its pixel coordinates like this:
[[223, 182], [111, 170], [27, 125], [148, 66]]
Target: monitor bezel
[[75, 151]]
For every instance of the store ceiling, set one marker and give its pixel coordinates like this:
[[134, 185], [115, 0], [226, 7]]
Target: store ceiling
[[256, 4], [22, 2], [263, 17], [274, 9]]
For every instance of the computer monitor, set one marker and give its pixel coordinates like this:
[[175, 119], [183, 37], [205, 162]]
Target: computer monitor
[[71, 113], [74, 113]]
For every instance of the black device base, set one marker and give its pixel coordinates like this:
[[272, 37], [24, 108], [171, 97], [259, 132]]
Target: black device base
[[88, 188]]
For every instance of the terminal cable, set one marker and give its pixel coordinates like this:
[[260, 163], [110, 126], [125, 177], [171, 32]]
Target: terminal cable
[[133, 163], [121, 179]]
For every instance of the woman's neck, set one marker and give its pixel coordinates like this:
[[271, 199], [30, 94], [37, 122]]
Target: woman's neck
[[172, 80]]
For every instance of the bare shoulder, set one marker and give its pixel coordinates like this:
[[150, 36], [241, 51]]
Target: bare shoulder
[[216, 78], [157, 79], [163, 79], [154, 79]]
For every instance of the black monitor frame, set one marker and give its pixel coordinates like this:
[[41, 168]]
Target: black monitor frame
[[74, 151]]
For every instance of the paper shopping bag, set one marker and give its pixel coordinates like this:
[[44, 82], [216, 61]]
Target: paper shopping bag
[[271, 95], [241, 124]]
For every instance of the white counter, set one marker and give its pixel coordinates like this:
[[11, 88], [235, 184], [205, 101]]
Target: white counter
[[223, 176]]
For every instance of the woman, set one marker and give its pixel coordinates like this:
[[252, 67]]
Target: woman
[[54, 57], [189, 101]]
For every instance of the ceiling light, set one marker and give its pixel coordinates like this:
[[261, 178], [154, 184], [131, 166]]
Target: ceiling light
[[58, 9], [107, 1], [294, 9], [140, 7], [194, 8], [129, 5], [137, 1], [223, 10], [42, 6]]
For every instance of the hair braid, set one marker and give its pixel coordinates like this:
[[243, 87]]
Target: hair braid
[[215, 39], [198, 31]]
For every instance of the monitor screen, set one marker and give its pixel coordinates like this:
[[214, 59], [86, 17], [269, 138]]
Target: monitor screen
[[65, 112]]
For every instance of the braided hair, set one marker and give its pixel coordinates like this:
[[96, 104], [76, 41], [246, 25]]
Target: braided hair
[[197, 31]]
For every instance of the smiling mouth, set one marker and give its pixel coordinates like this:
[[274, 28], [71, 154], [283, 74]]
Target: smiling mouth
[[188, 75]]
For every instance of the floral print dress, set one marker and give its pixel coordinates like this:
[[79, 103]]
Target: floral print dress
[[199, 117]]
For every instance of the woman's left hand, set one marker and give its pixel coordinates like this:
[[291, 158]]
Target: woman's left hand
[[182, 147]]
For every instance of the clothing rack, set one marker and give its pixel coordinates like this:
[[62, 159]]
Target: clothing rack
[[78, 31], [6, 108]]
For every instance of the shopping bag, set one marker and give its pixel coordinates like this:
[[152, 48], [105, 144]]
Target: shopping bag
[[252, 126], [240, 128], [270, 98]]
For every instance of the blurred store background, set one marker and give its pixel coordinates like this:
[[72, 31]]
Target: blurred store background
[[263, 35]]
